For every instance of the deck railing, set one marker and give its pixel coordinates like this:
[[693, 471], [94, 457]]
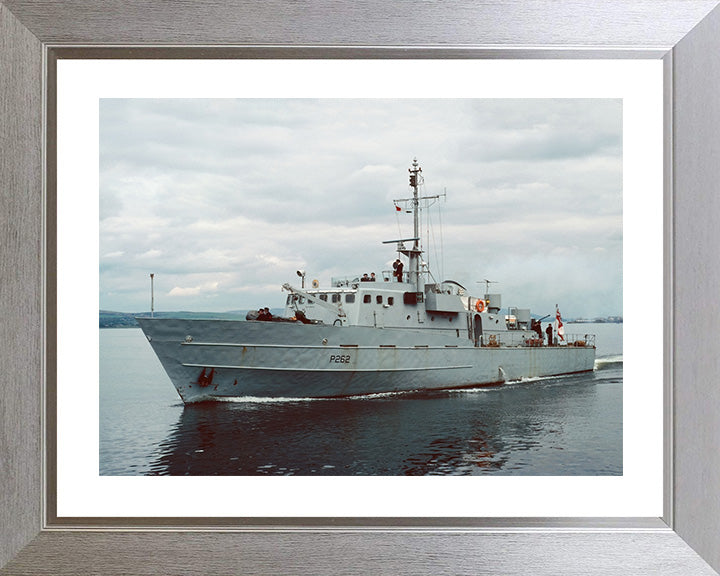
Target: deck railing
[[511, 339]]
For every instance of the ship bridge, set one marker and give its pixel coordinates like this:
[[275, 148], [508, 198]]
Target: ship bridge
[[350, 301]]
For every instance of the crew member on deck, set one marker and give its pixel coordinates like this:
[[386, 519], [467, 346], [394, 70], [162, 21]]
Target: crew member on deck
[[549, 332], [398, 270]]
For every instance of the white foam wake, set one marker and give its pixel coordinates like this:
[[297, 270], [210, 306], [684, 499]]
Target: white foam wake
[[262, 399], [604, 361]]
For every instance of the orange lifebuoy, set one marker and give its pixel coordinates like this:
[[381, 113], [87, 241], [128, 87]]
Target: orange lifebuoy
[[480, 305]]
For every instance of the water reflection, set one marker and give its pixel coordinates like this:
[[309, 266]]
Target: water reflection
[[506, 430]]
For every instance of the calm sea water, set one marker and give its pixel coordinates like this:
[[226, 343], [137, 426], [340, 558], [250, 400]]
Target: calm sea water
[[566, 426]]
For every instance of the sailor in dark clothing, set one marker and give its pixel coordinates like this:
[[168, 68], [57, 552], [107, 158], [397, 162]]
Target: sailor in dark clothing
[[549, 332], [264, 314], [398, 270], [535, 325]]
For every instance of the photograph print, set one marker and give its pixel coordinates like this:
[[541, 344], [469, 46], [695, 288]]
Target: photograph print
[[361, 287]]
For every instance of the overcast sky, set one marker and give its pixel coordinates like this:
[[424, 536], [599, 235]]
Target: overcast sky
[[223, 200]]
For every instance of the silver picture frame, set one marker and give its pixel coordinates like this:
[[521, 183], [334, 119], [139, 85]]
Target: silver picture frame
[[684, 34]]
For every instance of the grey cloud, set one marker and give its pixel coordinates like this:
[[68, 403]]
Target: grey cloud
[[226, 198]]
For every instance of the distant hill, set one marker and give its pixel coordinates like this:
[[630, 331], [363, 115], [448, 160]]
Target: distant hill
[[110, 319], [116, 319]]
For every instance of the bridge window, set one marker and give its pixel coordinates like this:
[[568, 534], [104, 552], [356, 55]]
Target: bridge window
[[336, 298], [366, 299], [349, 298], [378, 298], [323, 297], [391, 300]]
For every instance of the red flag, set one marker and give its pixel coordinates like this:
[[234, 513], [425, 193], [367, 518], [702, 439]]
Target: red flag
[[398, 208], [558, 324]]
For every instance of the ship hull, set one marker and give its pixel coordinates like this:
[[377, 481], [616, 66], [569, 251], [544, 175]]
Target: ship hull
[[215, 359]]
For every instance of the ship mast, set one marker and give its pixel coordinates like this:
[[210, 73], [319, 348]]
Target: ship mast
[[415, 277], [414, 254]]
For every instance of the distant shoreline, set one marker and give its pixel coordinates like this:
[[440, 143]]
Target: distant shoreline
[[109, 319]]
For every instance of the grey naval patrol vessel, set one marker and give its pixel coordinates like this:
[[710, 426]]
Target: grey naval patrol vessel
[[401, 332]]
